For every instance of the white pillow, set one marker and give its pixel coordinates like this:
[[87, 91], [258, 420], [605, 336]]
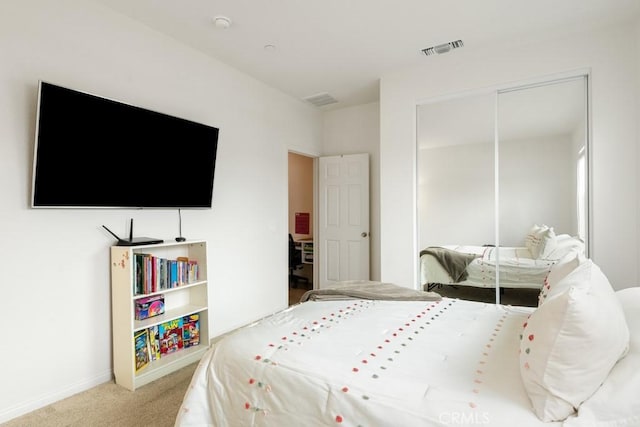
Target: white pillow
[[617, 401], [570, 343], [564, 244], [554, 283], [548, 243], [531, 239], [541, 241]]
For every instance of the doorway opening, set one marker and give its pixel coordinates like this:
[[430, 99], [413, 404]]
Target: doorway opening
[[301, 210]]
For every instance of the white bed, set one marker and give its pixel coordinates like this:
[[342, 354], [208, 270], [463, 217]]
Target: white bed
[[518, 267], [369, 362]]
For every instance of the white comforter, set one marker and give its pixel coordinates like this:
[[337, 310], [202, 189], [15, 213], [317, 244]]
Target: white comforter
[[366, 363]]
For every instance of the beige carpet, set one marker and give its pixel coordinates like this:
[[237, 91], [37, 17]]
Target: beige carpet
[[155, 404]]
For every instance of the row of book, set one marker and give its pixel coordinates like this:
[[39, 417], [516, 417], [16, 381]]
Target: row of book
[[166, 338], [152, 273]]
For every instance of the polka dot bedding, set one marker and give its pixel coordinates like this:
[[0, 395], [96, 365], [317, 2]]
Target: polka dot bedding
[[366, 363]]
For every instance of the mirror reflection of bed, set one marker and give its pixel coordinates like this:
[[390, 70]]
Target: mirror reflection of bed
[[470, 272], [491, 165]]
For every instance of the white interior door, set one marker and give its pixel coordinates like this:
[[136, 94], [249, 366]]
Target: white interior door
[[343, 218]]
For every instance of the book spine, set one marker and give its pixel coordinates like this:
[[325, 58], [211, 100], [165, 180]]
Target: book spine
[[160, 278], [154, 274], [139, 274], [174, 273]]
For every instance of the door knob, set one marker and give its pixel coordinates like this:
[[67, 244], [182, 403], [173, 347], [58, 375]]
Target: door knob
[[364, 234]]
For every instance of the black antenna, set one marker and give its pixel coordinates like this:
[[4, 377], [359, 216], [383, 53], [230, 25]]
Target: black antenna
[[111, 232], [180, 238]]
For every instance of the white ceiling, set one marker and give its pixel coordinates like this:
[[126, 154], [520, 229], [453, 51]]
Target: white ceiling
[[342, 47]]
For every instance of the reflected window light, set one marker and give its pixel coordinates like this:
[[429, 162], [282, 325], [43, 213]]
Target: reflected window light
[[581, 199]]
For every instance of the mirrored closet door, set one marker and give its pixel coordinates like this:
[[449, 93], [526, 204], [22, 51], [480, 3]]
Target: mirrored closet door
[[502, 187]]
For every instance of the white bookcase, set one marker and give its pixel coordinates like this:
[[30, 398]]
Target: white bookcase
[[185, 299]]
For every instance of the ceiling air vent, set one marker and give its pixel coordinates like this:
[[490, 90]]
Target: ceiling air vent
[[321, 99], [442, 48]]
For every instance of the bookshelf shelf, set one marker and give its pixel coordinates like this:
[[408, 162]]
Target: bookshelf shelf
[[166, 291], [180, 301]]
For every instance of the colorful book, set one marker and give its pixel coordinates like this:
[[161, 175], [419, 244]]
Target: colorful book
[[190, 330], [163, 273], [141, 349], [154, 342], [170, 334], [173, 275], [183, 263], [193, 271], [138, 274]]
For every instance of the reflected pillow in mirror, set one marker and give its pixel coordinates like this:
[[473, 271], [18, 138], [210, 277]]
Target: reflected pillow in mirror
[[565, 244], [541, 241], [531, 239]]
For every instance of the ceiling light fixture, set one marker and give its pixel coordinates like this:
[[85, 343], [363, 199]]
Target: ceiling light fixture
[[442, 48], [222, 22]]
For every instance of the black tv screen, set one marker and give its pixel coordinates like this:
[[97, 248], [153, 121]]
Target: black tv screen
[[93, 152]]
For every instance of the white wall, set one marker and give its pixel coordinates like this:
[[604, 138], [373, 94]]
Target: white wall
[[356, 130], [456, 187], [55, 291], [536, 186], [612, 59]]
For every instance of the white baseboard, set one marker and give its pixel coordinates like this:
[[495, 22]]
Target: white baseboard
[[7, 414]]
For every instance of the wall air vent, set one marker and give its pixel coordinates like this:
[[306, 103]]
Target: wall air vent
[[442, 48], [321, 99]]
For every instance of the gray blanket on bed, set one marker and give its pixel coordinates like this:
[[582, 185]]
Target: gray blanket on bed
[[365, 289], [454, 262]]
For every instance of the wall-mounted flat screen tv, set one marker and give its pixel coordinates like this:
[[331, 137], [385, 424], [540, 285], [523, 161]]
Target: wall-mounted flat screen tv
[[94, 152]]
